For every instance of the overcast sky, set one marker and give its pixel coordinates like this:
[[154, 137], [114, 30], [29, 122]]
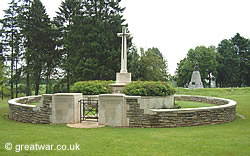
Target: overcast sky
[[175, 26]]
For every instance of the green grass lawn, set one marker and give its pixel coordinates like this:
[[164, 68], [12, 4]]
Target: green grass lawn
[[191, 104], [231, 139], [34, 103]]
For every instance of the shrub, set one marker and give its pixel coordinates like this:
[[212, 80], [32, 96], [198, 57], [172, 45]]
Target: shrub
[[149, 88], [6, 91], [92, 87], [59, 86]]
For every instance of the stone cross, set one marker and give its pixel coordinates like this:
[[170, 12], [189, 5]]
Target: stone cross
[[124, 35]]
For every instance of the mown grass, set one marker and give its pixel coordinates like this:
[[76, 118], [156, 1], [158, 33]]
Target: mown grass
[[33, 103], [224, 139], [191, 104]]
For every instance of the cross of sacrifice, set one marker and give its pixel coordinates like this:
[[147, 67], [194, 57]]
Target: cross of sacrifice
[[124, 35]]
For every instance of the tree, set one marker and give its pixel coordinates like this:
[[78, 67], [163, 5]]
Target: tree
[[42, 45], [134, 63], [183, 72], [233, 57], [52, 56], [11, 38], [39, 42], [243, 45], [149, 66], [229, 65], [90, 42], [205, 57], [24, 20], [64, 20], [3, 73]]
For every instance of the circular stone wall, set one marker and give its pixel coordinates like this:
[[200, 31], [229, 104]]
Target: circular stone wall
[[223, 113], [20, 110]]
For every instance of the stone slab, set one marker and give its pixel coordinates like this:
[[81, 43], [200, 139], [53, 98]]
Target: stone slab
[[86, 124]]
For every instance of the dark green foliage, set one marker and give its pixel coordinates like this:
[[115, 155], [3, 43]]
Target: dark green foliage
[[64, 23], [39, 43], [89, 39], [149, 66], [59, 86], [149, 88], [233, 58], [229, 62], [6, 91], [92, 87], [243, 50], [10, 40], [80, 44], [39, 40], [206, 58]]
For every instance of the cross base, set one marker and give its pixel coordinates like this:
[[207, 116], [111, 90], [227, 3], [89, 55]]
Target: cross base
[[123, 78]]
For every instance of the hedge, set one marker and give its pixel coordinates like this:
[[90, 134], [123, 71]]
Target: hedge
[[149, 88], [92, 87]]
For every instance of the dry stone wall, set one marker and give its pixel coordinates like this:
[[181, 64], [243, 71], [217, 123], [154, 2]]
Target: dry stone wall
[[225, 112], [19, 110]]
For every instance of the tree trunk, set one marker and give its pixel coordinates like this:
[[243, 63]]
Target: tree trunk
[[209, 80], [27, 79], [12, 65], [68, 82], [47, 81], [37, 82], [16, 79], [28, 84], [2, 91]]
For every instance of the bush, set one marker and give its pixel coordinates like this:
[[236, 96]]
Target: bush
[[148, 88], [92, 87], [6, 91], [60, 86]]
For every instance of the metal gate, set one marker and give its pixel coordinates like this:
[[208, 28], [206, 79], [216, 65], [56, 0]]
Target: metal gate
[[88, 109]]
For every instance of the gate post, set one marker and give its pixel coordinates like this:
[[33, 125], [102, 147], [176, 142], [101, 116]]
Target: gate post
[[65, 108], [112, 110]]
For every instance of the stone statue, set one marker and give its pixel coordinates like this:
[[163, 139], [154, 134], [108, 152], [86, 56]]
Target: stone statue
[[196, 78], [196, 66]]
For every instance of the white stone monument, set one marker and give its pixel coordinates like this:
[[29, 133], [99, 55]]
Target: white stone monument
[[195, 79], [123, 77]]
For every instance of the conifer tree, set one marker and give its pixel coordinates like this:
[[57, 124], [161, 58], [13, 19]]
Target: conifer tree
[[11, 39], [64, 20], [39, 41]]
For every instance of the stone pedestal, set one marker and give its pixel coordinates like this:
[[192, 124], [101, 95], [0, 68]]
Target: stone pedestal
[[195, 81], [117, 88], [123, 78], [112, 110], [65, 108]]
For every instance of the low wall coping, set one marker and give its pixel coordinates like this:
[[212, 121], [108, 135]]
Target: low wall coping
[[132, 97], [230, 103], [66, 94], [90, 95], [107, 95], [14, 101]]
